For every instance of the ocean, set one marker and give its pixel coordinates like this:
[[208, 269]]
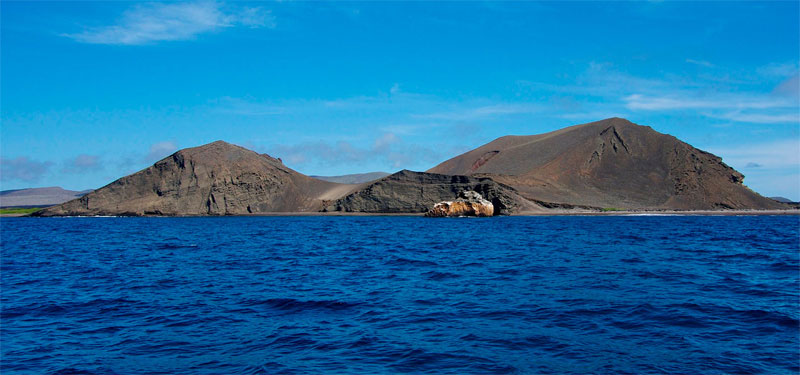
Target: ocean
[[387, 295]]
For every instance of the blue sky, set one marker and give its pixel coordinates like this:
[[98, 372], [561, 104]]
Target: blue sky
[[92, 91]]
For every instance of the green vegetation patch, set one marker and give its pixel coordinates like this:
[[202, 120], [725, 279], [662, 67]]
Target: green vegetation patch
[[18, 210], [611, 209]]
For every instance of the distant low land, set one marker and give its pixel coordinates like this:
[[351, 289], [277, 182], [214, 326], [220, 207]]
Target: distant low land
[[782, 200], [18, 211], [612, 166], [357, 178], [38, 197]]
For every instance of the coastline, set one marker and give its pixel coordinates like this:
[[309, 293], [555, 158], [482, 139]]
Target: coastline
[[665, 213], [555, 212]]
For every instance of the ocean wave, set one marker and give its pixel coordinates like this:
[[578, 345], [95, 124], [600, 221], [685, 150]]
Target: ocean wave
[[374, 295]]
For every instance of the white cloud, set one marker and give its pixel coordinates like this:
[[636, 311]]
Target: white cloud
[[252, 17], [385, 141], [238, 106], [83, 163], [638, 101], [154, 22], [740, 107], [769, 155], [466, 114], [784, 69], [410, 128], [23, 169], [603, 89], [789, 87], [772, 168], [160, 150], [700, 62], [419, 109], [591, 115], [388, 148], [761, 118], [689, 101]]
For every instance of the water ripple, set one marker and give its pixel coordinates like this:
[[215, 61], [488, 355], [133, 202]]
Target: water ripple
[[374, 295]]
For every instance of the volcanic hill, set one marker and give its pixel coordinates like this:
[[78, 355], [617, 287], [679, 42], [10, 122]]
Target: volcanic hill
[[214, 179], [612, 163]]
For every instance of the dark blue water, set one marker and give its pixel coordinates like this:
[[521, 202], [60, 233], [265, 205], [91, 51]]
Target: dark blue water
[[286, 295]]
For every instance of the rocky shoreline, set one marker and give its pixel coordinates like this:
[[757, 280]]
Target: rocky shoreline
[[555, 212]]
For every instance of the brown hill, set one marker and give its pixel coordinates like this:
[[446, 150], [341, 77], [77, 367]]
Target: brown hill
[[611, 163], [214, 179]]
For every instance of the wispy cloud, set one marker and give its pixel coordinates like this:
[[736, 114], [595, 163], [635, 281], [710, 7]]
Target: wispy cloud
[[82, 164], [742, 101], [465, 114], [773, 168], [401, 112], [155, 22], [388, 148], [591, 115], [782, 69], [777, 154], [790, 87], [760, 118], [700, 62], [237, 106], [160, 150], [752, 107], [23, 169]]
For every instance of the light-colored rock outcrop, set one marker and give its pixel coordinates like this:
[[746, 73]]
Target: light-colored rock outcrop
[[469, 203]]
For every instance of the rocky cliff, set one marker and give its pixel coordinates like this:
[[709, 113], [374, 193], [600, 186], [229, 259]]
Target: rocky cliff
[[611, 163], [416, 192], [215, 179]]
